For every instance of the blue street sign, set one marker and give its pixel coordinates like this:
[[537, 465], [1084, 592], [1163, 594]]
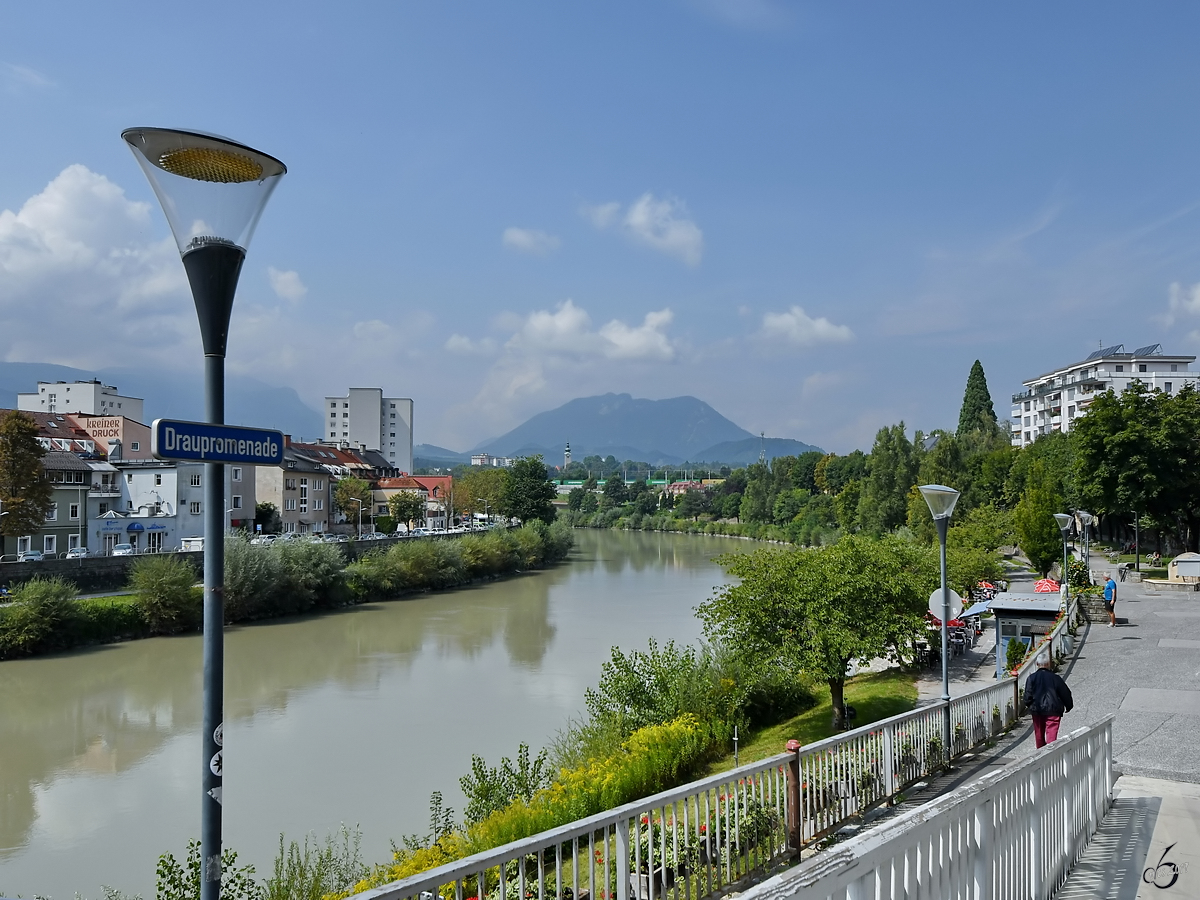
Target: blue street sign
[[199, 442]]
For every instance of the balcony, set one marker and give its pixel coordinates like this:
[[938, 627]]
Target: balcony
[[104, 490]]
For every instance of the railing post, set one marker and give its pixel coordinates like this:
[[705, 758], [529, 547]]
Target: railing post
[[889, 760], [795, 833], [622, 873], [984, 849], [1034, 817]]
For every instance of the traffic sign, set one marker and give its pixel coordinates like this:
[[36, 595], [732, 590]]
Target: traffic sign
[[201, 442]]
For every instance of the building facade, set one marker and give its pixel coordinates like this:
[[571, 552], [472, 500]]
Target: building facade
[[1053, 401], [367, 419], [90, 397], [301, 489]]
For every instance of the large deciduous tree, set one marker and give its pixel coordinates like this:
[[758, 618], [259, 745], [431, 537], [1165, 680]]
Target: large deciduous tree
[[25, 494], [528, 493], [815, 610], [479, 489], [1033, 519], [407, 507], [977, 411], [349, 489], [891, 472]]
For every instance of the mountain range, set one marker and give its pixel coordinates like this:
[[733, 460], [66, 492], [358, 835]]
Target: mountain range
[[176, 395], [660, 432]]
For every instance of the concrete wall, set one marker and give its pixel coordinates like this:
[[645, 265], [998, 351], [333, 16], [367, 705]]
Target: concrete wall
[[103, 573]]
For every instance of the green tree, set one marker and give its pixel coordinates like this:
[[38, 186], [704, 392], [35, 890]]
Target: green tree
[[575, 499], [788, 505], [891, 472], [1033, 520], [942, 463], [346, 492], [615, 492], [693, 504], [804, 608], [977, 410], [267, 515], [25, 494], [479, 489], [528, 493], [756, 497], [407, 507]]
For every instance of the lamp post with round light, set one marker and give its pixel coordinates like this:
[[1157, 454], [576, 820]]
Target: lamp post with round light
[[1064, 525], [941, 500], [1085, 519], [213, 192]]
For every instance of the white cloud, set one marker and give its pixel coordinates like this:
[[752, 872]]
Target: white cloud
[[287, 285], [16, 77], [646, 341], [527, 240], [798, 328], [1182, 301], [464, 346], [567, 332], [602, 215], [77, 252], [661, 224]]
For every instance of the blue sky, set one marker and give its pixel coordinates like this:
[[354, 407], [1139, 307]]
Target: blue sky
[[812, 216]]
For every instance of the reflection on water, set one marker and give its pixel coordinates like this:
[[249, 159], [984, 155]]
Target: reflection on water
[[352, 716]]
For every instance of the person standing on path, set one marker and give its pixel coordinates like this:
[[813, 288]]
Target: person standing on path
[[1110, 601], [1047, 697]]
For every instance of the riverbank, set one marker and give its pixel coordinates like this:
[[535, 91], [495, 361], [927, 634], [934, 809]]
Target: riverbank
[[47, 615]]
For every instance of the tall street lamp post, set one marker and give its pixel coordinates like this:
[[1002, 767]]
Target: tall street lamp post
[[1085, 519], [486, 506], [941, 500], [359, 502], [1064, 525], [213, 192]]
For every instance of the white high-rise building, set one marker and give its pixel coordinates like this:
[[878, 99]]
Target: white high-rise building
[[1052, 402], [366, 418], [89, 397]]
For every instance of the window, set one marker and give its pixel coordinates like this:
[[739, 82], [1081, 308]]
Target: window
[[103, 508], [289, 527], [79, 477], [135, 446], [73, 542], [154, 541], [129, 505], [319, 485], [303, 495], [129, 478], [52, 513], [1141, 367], [157, 479], [195, 479], [289, 484], [333, 405], [345, 406], [1174, 367], [318, 504], [1026, 406], [74, 510], [1167, 385], [345, 415], [382, 509], [237, 501], [1120, 368], [236, 473], [333, 415], [289, 504], [23, 543], [48, 543], [393, 434], [393, 415], [194, 507], [1071, 411]]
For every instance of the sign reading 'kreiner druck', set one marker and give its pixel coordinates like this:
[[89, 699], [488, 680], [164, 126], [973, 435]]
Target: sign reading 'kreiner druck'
[[200, 442]]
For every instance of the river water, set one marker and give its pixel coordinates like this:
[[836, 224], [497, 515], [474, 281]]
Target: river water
[[354, 716]]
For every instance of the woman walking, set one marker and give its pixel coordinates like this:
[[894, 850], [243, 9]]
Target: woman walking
[[1047, 697]]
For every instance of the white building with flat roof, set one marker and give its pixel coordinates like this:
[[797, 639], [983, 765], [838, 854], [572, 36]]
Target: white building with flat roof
[[1053, 401], [366, 418], [89, 397]]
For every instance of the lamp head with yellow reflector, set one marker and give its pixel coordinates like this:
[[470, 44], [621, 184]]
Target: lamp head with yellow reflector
[[213, 191]]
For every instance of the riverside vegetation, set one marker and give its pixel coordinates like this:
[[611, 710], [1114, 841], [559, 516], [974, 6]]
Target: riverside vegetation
[[282, 579]]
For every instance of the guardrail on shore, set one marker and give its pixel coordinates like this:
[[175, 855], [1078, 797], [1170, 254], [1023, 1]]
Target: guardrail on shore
[[1012, 835], [699, 840]]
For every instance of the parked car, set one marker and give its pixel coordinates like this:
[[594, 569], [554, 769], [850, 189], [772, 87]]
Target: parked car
[[122, 550], [78, 553], [30, 556], [419, 532], [263, 540]]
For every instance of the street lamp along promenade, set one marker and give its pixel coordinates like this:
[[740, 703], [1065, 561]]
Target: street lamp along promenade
[[213, 192], [1064, 525], [941, 500]]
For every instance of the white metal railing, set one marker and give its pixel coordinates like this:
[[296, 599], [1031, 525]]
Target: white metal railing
[[1052, 642], [1014, 833], [697, 840]]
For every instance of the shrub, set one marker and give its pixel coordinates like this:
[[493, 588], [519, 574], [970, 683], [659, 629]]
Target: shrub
[[309, 574], [251, 578], [165, 589], [1014, 654], [175, 881], [41, 608]]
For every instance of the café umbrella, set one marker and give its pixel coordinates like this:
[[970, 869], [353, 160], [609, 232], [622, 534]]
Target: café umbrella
[[1045, 586]]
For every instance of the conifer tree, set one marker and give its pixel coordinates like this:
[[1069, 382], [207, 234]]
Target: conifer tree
[[977, 409]]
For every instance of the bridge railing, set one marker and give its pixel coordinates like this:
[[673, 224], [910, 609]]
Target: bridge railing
[[699, 840], [1012, 835]]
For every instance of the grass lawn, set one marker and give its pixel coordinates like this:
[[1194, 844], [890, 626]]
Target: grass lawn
[[876, 696]]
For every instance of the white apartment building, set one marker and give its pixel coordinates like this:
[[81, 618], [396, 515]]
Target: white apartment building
[[366, 418], [90, 397], [1052, 402], [500, 462]]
